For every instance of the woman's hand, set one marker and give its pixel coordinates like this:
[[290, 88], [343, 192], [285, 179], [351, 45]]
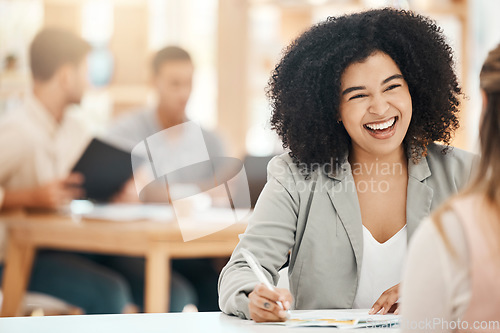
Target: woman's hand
[[387, 302], [263, 306]]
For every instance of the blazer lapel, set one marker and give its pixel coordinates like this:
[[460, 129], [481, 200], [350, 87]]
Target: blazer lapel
[[345, 200], [419, 195]]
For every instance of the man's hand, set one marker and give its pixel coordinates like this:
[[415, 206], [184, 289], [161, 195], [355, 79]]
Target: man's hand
[[263, 304], [127, 193], [57, 193], [387, 302]]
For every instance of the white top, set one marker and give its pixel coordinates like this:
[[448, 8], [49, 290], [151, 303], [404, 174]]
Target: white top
[[435, 283], [381, 267], [35, 149]]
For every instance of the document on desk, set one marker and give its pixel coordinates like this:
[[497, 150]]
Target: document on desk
[[339, 319], [130, 212]]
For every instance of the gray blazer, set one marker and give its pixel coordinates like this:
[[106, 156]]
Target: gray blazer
[[326, 244]]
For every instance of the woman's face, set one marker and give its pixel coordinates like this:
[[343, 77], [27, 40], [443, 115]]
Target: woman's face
[[375, 105]]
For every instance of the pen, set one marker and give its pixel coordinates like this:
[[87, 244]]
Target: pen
[[257, 269]]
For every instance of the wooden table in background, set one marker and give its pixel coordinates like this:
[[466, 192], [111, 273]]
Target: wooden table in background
[[157, 242]]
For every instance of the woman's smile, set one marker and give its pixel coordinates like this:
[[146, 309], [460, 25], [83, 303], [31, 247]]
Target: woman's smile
[[382, 129]]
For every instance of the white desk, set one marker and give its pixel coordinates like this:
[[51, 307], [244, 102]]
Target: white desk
[[148, 323]]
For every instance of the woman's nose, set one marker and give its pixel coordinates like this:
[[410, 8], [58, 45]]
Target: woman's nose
[[378, 105]]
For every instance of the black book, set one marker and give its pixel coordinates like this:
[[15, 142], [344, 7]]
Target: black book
[[105, 168]]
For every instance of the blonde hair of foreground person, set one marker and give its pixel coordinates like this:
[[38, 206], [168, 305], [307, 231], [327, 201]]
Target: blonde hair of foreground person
[[473, 300]]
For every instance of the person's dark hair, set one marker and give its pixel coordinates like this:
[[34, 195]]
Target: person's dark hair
[[52, 48], [169, 53], [304, 89]]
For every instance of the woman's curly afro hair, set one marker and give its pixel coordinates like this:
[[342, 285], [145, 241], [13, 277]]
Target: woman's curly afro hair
[[304, 89]]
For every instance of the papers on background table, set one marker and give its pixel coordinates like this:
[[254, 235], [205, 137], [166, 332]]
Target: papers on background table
[[122, 212], [339, 319], [219, 215], [132, 212]]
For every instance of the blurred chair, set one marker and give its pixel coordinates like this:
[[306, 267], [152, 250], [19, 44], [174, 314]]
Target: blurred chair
[[37, 304], [256, 170]]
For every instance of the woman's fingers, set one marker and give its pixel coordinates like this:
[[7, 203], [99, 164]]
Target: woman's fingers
[[263, 291], [286, 297], [264, 305], [376, 307], [385, 305], [263, 309], [277, 295], [260, 315], [390, 304], [386, 301], [259, 310]]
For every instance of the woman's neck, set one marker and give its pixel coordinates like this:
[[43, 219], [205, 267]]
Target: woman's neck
[[361, 160], [358, 155]]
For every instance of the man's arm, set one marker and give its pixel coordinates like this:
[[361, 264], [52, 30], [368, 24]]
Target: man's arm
[[50, 195]]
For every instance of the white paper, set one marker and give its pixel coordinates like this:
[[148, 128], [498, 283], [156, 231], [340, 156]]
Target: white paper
[[130, 212], [333, 318]]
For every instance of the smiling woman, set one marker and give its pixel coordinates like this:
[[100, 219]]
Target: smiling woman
[[359, 101], [375, 105]]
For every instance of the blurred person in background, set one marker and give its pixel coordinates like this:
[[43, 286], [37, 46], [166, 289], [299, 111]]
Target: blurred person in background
[[39, 144], [453, 266], [172, 81]]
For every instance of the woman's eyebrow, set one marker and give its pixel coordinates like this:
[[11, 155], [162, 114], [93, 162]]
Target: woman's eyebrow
[[348, 90], [392, 77]]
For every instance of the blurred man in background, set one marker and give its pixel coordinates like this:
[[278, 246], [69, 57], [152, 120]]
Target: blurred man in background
[[172, 81], [39, 144]]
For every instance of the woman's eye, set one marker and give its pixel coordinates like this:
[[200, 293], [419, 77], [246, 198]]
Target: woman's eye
[[357, 96], [392, 87]]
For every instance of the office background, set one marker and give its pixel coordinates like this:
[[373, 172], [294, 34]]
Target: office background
[[234, 43]]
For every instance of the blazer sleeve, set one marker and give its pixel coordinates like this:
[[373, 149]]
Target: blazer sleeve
[[269, 236]]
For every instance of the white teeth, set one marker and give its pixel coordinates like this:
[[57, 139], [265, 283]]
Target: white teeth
[[382, 126]]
